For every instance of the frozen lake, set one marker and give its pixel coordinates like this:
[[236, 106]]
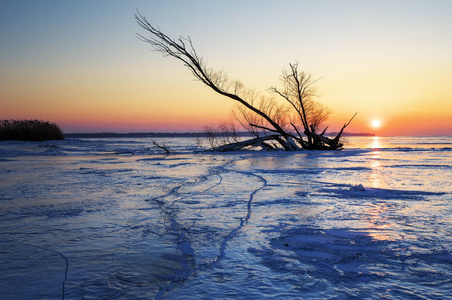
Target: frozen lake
[[84, 218]]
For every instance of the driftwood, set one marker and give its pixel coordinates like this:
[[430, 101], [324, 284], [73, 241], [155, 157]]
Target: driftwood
[[253, 143], [320, 142], [264, 143], [161, 146]]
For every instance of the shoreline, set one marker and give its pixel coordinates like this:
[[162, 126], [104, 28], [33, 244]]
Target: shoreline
[[172, 134]]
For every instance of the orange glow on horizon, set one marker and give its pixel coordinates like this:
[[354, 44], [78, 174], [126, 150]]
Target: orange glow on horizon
[[413, 124], [148, 119]]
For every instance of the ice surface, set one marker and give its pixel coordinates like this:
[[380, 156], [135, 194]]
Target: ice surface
[[116, 218]]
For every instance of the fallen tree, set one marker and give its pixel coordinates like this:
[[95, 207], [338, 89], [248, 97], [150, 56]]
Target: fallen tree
[[292, 124]]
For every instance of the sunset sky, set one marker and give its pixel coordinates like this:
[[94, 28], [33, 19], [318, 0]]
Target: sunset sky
[[81, 65]]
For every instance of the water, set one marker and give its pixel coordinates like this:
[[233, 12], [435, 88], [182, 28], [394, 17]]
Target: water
[[84, 218]]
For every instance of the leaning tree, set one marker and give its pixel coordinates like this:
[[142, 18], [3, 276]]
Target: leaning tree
[[291, 125]]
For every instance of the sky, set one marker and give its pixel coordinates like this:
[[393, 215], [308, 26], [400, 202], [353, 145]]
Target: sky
[[80, 64]]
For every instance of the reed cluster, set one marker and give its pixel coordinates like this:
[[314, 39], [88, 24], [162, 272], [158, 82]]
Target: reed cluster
[[29, 130]]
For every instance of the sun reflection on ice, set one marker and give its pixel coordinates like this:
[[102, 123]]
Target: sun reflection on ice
[[375, 177], [375, 143], [379, 227]]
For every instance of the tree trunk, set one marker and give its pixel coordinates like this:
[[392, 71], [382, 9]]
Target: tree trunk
[[256, 142]]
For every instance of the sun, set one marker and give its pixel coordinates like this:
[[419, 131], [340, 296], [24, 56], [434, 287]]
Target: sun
[[376, 123]]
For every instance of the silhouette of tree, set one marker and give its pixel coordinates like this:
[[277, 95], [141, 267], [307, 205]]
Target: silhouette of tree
[[266, 118]]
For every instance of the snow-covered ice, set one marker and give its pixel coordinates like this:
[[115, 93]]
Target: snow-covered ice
[[84, 218]]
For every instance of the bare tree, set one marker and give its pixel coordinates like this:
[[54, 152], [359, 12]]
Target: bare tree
[[298, 89], [258, 114]]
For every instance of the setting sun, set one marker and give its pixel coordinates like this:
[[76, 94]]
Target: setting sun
[[376, 123]]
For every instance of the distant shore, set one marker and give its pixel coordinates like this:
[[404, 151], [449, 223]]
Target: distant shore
[[172, 134]]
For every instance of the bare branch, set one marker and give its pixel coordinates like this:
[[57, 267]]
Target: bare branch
[[161, 146], [262, 127]]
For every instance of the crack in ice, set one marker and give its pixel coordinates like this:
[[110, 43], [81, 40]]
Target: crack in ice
[[60, 254], [189, 267]]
